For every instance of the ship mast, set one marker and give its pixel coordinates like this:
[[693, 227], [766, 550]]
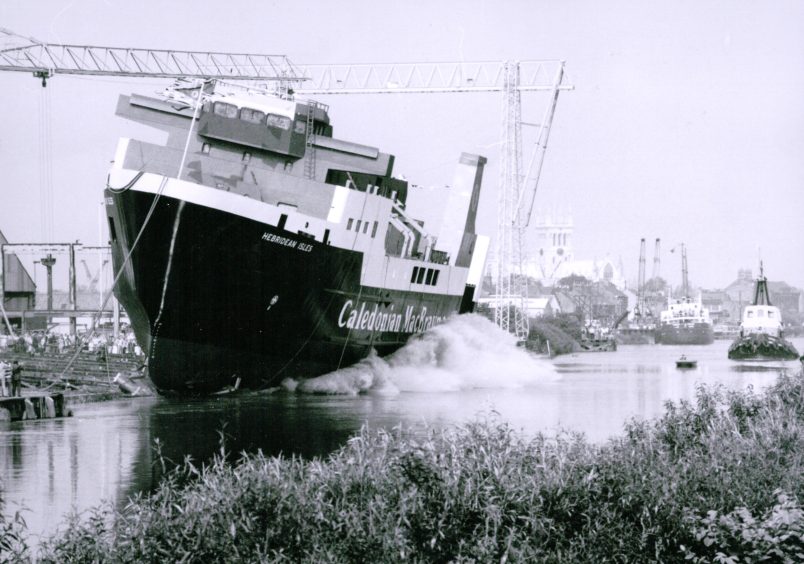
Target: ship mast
[[685, 283], [761, 294]]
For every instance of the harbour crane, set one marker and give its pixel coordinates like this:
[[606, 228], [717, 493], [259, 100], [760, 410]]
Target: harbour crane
[[517, 191], [93, 280], [656, 259], [639, 310]]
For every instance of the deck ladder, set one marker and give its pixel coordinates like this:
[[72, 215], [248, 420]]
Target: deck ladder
[[309, 165]]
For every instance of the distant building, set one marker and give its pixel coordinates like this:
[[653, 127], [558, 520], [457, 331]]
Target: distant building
[[740, 293], [721, 307], [550, 256], [19, 290], [535, 307]]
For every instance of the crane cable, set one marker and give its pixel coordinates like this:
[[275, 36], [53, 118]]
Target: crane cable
[[96, 318], [46, 165]]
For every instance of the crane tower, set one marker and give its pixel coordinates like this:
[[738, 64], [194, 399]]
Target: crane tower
[[656, 259], [640, 307]]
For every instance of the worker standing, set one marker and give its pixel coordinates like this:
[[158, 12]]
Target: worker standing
[[5, 374], [16, 379]]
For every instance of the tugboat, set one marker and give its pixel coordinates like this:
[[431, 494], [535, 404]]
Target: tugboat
[[255, 246], [761, 335]]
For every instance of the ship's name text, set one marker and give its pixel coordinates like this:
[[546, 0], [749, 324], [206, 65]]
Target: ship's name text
[[413, 320], [286, 242]]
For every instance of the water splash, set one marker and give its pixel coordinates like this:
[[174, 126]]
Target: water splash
[[466, 352]]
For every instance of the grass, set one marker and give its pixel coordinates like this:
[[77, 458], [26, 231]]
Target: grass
[[716, 480]]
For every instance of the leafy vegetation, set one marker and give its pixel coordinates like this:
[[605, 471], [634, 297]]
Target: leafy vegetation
[[718, 479], [13, 541], [563, 331]]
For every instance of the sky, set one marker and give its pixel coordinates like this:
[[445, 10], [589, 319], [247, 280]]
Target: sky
[[686, 121]]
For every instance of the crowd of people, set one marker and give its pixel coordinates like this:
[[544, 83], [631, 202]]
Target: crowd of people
[[39, 342]]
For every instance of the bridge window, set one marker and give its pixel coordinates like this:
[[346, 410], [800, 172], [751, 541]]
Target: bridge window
[[760, 313], [281, 122], [225, 110], [421, 275], [750, 314], [365, 227], [770, 314], [252, 116], [349, 224], [374, 230]]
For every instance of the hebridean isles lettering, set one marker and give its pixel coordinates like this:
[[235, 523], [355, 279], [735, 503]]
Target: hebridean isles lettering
[[287, 242]]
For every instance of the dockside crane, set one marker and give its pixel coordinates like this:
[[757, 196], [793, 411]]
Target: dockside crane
[[517, 191], [639, 310], [656, 259]]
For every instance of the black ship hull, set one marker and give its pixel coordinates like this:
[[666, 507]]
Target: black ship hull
[[215, 298], [762, 347], [690, 334]]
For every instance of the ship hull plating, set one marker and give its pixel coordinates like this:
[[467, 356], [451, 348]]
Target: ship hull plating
[[215, 298], [760, 346], [692, 334]]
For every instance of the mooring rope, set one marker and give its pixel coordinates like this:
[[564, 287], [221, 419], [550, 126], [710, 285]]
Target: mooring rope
[[168, 268], [82, 340]]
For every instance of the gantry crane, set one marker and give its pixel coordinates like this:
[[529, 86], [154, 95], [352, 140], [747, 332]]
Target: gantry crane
[[517, 191]]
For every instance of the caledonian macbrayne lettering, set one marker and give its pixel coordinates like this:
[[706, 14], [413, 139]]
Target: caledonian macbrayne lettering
[[366, 318]]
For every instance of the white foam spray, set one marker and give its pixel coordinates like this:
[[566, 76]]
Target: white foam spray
[[466, 352]]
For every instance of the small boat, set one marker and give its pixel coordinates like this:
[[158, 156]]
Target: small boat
[[685, 362]]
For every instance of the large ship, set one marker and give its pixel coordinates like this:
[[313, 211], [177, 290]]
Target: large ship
[[254, 246], [761, 333], [684, 322]]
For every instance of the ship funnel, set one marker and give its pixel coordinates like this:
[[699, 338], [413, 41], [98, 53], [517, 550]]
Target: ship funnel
[[457, 234]]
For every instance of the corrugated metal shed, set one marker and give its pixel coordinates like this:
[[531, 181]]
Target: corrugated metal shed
[[15, 276]]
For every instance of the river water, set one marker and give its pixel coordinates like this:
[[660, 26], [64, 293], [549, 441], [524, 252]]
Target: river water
[[455, 373]]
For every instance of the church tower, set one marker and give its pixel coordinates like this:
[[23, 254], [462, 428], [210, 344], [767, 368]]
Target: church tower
[[553, 243]]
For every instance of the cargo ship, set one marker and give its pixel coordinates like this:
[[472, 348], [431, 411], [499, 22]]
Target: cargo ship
[[254, 246], [684, 322], [761, 333]]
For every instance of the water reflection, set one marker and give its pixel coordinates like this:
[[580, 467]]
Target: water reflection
[[106, 451]]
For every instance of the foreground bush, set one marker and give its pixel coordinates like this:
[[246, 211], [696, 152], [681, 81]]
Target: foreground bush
[[13, 541], [720, 480]]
